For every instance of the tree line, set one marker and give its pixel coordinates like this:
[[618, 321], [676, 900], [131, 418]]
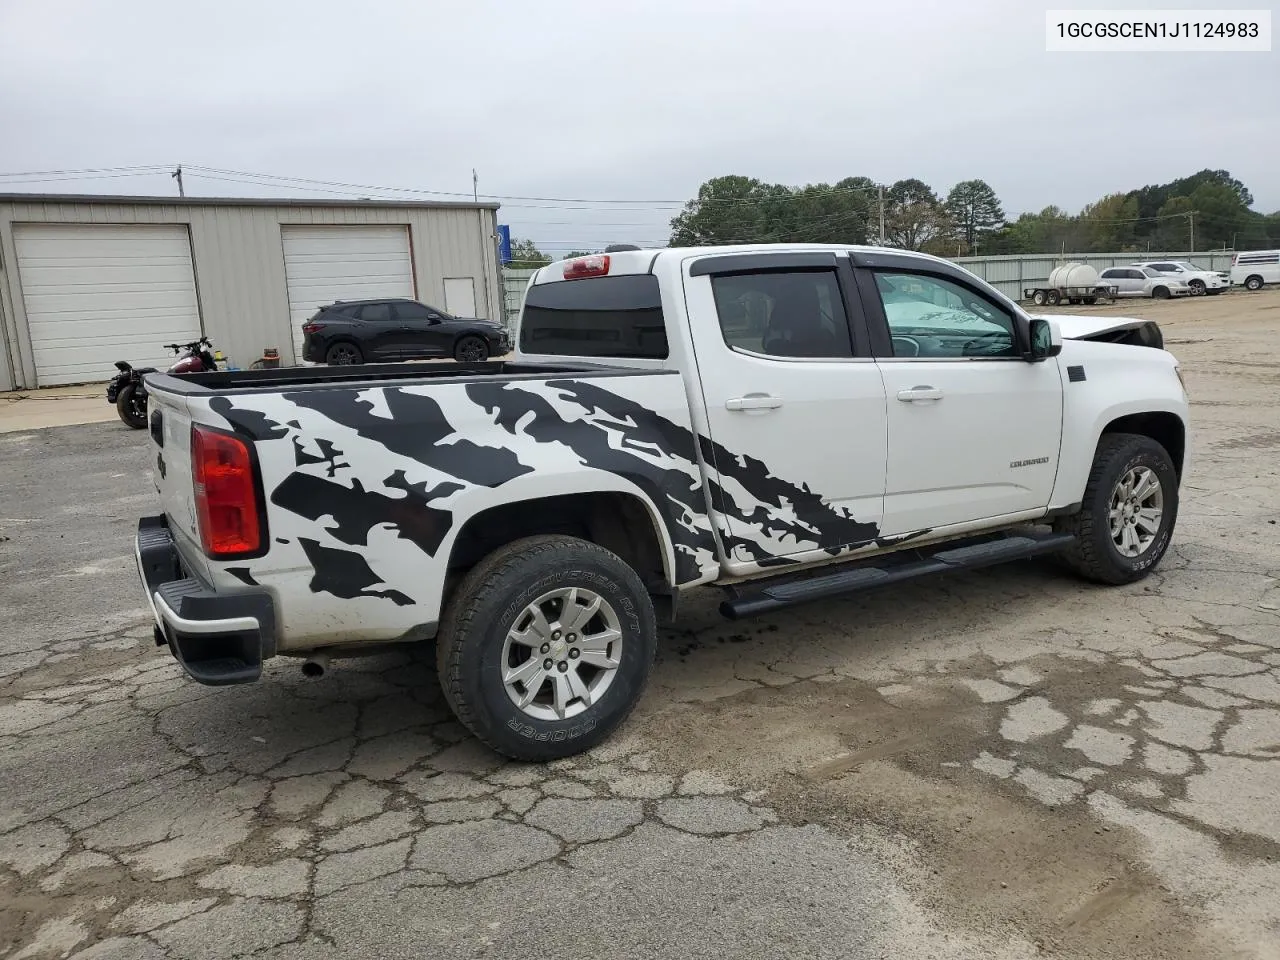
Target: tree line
[[1208, 210]]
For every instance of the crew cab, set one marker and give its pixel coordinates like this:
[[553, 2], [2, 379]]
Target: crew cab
[[782, 422]]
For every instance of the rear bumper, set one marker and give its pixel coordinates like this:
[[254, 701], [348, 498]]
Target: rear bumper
[[219, 638]]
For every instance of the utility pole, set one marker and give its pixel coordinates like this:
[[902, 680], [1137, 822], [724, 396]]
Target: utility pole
[[882, 215], [1191, 218], [177, 175], [475, 185]]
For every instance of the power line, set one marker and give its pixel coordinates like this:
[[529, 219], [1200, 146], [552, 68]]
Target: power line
[[151, 167], [834, 191]]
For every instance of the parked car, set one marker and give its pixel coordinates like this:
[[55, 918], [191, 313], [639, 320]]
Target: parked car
[[1144, 282], [786, 422], [378, 331], [1253, 268], [1200, 280]]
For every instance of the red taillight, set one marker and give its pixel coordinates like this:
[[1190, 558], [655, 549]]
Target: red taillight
[[596, 265], [226, 493], [312, 327]]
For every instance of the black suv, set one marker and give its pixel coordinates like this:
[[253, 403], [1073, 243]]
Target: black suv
[[375, 331]]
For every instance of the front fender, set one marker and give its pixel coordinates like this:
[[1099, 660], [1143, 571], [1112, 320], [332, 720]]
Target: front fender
[[1119, 381]]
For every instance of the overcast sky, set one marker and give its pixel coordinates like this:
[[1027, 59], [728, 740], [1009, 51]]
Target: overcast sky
[[641, 100]]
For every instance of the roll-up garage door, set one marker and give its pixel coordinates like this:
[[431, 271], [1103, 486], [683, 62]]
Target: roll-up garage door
[[326, 264], [97, 293]]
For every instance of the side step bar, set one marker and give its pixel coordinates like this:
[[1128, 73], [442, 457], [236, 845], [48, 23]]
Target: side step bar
[[894, 568]]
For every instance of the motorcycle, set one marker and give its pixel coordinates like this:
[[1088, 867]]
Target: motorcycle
[[128, 391]]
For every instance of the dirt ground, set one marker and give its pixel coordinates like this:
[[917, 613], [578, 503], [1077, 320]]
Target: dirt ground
[[1006, 763]]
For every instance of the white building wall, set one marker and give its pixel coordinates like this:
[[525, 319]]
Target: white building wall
[[239, 262]]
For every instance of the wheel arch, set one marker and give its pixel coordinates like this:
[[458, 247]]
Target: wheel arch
[[1162, 426], [621, 516]]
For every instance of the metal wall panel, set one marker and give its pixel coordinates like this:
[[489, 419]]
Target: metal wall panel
[[239, 262]]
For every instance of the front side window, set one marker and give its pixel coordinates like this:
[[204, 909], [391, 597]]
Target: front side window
[[781, 313], [930, 317]]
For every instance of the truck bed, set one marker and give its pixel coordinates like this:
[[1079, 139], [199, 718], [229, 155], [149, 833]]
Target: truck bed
[[368, 476], [372, 374]]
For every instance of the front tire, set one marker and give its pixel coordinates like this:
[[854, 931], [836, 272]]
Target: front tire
[[1052, 298], [548, 600], [471, 350], [1197, 288], [1038, 298], [1161, 293], [132, 406], [1128, 512]]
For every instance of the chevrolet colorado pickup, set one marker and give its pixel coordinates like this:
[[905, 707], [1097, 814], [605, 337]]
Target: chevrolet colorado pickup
[[785, 422]]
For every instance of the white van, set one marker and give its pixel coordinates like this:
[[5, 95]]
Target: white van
[[1253, 268]]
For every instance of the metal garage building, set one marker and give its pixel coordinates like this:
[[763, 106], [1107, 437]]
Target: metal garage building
[[87, 280]]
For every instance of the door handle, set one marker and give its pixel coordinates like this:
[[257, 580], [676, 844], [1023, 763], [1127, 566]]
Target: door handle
[[919, 393], [754, 401]]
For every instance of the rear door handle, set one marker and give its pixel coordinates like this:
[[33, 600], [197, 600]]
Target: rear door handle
[[919, 393], [754, 401]]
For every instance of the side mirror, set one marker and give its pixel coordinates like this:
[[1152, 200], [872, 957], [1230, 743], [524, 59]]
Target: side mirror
[[433, 318], [1046, 339]]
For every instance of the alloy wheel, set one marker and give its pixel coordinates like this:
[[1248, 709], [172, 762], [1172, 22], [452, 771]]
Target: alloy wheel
[[1136, 511], [562, 653]]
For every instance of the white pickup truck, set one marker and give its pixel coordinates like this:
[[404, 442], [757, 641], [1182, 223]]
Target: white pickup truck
[[783, 422]]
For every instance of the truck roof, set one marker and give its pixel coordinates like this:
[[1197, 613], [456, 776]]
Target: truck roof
[[644, 260]]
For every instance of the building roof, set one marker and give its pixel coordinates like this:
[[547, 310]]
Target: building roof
[[241, 201]]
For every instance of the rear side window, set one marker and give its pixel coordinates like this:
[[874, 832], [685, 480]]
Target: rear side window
[[596, 317], [375, 312], [783, 313]]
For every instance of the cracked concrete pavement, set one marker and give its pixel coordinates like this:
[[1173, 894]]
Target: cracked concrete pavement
[[1001, 764]]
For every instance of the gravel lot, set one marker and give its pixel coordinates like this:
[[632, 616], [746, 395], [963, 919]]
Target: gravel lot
[[1000, 764]]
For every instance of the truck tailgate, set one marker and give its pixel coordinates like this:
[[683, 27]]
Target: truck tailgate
[[169, 423]]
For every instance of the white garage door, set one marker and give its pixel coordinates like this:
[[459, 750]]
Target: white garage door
[[97, 293], [324, 264]]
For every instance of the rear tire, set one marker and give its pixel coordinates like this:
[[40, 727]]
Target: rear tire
[[131, 407], [1103, 552], [471, 350], [1052, 298], [483, 669], [343, 354], [1253, 283], [1090, 301]]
